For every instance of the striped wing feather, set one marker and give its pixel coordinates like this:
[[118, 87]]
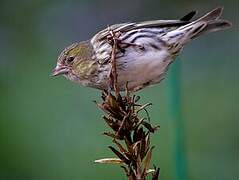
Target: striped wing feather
[[124, 27]]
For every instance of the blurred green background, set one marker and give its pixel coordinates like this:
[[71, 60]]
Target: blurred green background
[[51, 130]]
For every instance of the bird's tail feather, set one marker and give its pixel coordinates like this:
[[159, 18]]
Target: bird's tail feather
[[207, 23], [210, 16], [210, 22], [214, 26]]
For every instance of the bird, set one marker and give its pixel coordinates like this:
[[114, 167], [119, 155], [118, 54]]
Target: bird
[[143, 55]]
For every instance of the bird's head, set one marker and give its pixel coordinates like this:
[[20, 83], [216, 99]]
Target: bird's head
[[70, 60]]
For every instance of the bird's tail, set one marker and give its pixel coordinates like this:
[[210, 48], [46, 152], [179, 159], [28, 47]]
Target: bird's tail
[[208, 23]]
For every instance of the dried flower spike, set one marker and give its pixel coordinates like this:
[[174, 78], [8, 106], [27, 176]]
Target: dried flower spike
[[130, 133]]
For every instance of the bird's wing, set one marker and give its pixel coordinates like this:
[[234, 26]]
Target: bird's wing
[[125, 27], [103, 48]]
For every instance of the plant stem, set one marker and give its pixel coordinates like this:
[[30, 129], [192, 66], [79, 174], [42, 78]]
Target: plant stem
[[130, 133]]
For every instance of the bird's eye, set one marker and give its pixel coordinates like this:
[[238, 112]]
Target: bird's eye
[[69, 60]]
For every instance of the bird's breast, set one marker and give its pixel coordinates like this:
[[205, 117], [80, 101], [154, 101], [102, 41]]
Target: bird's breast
[[141, 70]]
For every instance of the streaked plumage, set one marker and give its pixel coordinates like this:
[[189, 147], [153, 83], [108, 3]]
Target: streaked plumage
[[145, 52]]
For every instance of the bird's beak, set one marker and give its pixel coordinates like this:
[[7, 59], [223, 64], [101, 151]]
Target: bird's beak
[[59, 70]]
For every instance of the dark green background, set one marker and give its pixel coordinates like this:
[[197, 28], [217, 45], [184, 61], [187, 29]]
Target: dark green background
[[51, 130]]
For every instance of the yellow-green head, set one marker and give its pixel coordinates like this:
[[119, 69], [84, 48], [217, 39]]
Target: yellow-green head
[[75, 61]]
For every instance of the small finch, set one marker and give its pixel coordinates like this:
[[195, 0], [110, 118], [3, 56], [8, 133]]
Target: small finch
[[144, 51]]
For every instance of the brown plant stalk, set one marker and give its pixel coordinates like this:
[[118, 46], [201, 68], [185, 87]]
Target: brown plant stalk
[[130, 133]]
